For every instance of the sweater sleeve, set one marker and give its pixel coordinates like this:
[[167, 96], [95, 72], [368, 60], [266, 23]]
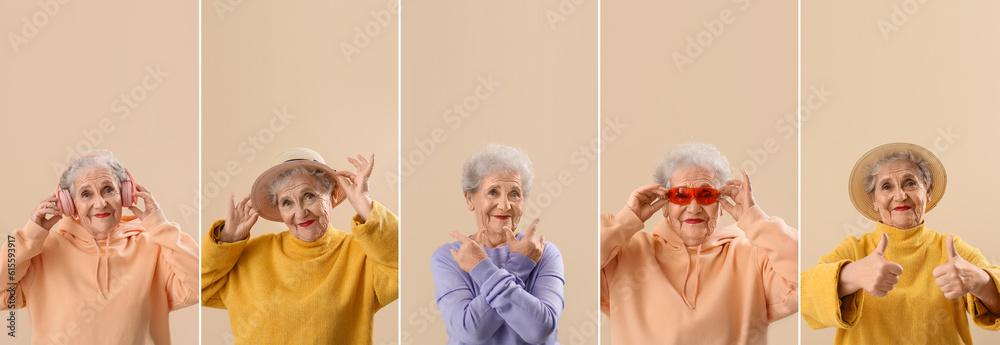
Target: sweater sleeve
[[217, 260], [777, 254], [981, 316], [379, 238], [27, 246], [178, 260], [532, 314], [821, 305], [616, 231], [467, 316]]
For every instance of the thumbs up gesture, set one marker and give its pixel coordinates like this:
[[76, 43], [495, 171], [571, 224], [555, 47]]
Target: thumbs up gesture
[[873, 273], [958, 277]]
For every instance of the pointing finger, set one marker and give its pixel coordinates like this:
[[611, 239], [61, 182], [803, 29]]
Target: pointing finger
[[531, 228]]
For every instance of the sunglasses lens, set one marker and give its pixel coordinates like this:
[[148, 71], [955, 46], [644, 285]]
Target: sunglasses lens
[[679, 196], [707, 196]]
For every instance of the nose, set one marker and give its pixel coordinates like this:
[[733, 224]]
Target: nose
[[301, 212], [504, 204]]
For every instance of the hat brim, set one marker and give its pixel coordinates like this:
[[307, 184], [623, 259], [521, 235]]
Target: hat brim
[[258, 194], [856, 186]]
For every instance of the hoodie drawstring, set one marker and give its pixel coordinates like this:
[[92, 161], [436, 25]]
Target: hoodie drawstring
[[102, 257], [687, 274]]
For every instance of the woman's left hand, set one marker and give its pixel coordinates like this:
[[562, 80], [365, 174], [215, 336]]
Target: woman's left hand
[[529, 245], [356, 185], [741, 193], [958, 277], [149, 204]]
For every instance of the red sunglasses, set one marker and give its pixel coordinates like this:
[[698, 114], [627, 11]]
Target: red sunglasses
[[683, 195]]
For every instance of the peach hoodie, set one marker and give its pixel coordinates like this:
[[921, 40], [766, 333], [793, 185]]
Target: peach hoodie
[[656, 290], [114, 291]]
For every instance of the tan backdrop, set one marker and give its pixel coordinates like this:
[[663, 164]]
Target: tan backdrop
[[932, 80], [720, 72], [275, 77], [518, 80], [62, 95]]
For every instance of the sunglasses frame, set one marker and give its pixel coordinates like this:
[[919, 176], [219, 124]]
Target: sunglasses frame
[[694, 195]]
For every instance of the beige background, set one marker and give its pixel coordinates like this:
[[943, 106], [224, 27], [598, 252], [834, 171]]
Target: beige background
[[57, 98], [738, 94], [546, 104], [266, 58], [933, 83]]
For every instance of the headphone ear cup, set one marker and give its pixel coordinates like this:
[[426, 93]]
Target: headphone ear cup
[[65, 203], [128, 193]]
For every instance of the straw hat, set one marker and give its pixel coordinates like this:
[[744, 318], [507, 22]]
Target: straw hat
[[856, 185], [291, 158]]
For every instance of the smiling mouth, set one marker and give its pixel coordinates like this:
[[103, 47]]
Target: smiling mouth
[[305, 224], [502, 217], [102, 215], [694, 221], [902, 208]]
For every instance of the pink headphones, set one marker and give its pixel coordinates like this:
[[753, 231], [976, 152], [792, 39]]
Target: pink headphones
[[64, 201]]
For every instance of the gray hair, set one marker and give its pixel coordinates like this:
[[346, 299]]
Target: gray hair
[[95, 159], [325, 183], [692, 155], [496, 158], [922, 166]]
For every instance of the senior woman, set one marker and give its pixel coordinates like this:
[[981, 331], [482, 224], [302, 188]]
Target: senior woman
[[902, 282], [91, 275], [311, 284], [499, 286], [690, 282]]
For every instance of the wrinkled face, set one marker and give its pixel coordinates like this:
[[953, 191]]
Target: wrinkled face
[[498, 202], [304, 207], [98, 201], [693, 222], [900, 194]]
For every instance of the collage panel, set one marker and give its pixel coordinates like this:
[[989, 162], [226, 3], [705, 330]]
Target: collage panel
[[499, 129], [898, 136], [299, 126], [692, 93], [100, 143]]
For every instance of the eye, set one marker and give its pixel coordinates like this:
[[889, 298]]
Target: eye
[[492, 192], [286, 203], [85, 194], [309, 196], [911, 183], [515, 194], [109, 190], [885, 186]]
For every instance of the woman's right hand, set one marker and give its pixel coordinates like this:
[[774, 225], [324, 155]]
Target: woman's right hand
[[872, 273], [469, 254], [46, 207], [646, 200], [239, 219]]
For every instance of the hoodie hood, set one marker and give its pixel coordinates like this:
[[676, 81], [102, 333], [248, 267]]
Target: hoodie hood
[[671, 240], [128, 226]]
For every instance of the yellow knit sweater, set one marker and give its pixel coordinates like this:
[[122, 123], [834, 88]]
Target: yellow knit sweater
[[915, 311], [281, 290]]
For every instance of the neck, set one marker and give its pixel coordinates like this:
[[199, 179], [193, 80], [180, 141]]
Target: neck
[[491, 239]]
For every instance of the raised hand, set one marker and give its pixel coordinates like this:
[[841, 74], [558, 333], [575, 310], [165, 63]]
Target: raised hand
[[469, 254], [873, 273], [45, 208], [646, 200], [528, 245], [958, 277], [356, 184], [741, 193], [239, 219], [148, 202]]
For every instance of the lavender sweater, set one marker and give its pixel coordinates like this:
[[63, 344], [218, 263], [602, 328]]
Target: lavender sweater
[[506, 299]]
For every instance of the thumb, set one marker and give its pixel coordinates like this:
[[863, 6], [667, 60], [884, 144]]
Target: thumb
[[509, 234], [951, 247], [454, 254], [880, 249]]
